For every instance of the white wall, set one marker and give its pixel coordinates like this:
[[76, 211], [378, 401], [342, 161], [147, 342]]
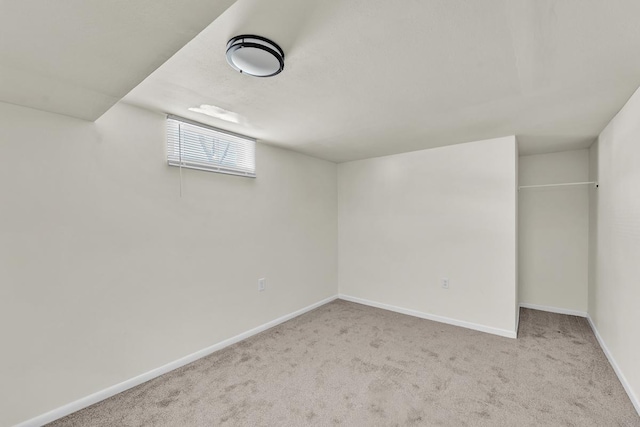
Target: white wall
[[615, 306], [408, 220], [593, 227], [107, 273], [554, 231]]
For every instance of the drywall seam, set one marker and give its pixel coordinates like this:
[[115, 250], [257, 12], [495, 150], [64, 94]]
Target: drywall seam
[[627, 387], [554, 309], [428, 316], [154, 373]]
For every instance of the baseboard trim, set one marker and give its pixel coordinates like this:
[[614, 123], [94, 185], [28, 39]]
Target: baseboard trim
[[623, 380], [84, 402], [554, 309], [435, 318], [625, 384]]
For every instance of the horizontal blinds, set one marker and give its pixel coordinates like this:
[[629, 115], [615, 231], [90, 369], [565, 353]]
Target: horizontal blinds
[[199, 147]]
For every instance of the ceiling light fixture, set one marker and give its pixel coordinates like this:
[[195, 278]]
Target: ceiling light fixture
[[255, 55]]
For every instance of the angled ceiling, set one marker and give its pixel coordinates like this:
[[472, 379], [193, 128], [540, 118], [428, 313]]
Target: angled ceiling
[[366, 78], [79, 57], [362, 78]]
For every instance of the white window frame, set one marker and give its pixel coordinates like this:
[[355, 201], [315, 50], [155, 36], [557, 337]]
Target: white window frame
[[184, 152]]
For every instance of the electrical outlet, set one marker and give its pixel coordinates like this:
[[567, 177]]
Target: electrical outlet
[[444, 282], [262, 284]]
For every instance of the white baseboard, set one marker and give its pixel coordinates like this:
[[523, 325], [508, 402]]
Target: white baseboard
[[554, 309], [634, 399], [441, 319], [119, 388]]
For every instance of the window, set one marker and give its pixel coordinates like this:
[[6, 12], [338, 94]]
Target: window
[[195, 146]]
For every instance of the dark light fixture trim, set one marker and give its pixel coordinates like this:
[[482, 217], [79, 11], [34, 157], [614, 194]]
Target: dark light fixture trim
[[248, 41]]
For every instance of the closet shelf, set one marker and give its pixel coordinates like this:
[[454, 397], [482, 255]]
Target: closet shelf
[[595, 183]]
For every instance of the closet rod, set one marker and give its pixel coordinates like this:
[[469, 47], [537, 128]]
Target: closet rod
[[558, 185]]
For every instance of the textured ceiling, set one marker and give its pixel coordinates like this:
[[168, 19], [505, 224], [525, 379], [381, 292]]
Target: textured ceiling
[[79, 57], [366, 78]]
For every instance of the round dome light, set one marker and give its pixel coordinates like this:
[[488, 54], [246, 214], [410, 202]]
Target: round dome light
[[255, 55]]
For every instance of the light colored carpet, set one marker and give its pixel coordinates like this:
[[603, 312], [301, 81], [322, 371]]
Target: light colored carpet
[[354, 365]]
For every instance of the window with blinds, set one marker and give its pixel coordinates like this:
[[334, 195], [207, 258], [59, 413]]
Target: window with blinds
[[196, 146]]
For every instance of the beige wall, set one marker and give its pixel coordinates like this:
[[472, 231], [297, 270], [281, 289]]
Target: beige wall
[[107, 273], [554, 231], [408, 220], [616, 291]]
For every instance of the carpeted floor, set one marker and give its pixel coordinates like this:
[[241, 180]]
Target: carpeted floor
[[354, 365]]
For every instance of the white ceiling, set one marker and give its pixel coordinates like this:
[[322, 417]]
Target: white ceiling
[[362, 78], [366, 78], [79, 57]]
